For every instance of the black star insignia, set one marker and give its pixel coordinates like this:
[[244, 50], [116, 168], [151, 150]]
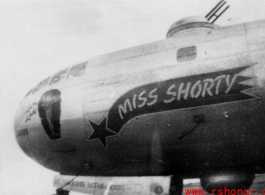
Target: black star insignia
[[101, 132]]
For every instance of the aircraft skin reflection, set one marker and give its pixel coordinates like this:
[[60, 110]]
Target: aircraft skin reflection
[[104, 117]]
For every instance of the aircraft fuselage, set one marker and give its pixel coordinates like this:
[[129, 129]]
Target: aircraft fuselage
[[185, 105]]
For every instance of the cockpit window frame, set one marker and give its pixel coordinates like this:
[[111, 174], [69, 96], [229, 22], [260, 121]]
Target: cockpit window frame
[[57, 77], [41, 84], [29, 93], [78, 67]]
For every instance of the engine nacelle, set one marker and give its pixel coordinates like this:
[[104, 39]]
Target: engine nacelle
[[228, 179]]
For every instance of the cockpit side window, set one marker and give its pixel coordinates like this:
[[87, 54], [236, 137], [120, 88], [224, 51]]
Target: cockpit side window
[[186, 54], [41, 84], [77, 70], [58, 76]]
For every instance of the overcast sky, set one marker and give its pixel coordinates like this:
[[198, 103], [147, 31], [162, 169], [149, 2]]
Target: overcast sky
[[40, 37]]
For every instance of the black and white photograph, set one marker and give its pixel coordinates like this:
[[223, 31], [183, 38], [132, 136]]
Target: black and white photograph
[[134, 97]]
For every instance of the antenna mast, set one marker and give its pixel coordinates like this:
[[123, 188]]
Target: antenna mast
[[213, 12]]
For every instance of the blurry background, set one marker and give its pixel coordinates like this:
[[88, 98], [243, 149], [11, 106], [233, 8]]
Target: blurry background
[[40, 37]]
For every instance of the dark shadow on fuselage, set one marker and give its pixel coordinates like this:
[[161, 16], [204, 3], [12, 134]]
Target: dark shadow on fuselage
[[49, 108]]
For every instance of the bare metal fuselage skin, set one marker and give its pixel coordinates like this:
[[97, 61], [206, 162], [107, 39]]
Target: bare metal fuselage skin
[[130, 112]]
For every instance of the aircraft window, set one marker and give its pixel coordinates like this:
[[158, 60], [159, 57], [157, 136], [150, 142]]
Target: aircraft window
[[186, 54], [41, 84], [58, 76], [77, 70]]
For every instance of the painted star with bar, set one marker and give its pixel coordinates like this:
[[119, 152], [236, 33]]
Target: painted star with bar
[[100, 132]]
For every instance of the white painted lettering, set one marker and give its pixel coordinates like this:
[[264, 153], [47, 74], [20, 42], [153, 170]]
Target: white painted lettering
[[144, 99], [124, 108], [196, 85], [184, 91], [169, 92], [134, 101], [207, 87], [219, 79], [152, 96], [230, 84]]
